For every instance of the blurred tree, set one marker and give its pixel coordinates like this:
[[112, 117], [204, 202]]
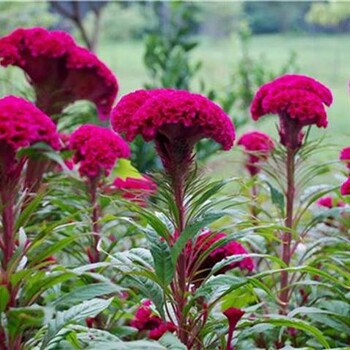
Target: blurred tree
[[276, 16], [24, 14], [332, 13], [124, 21], [76, 12]]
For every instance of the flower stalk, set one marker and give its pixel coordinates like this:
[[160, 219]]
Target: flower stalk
[[287, 235]]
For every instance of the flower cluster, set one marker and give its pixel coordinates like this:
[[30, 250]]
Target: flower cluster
[[22, 124], [136, 189], [59, 70], [258, 146], [146, 320], [97, 149], [204, 243], [175, 119], [298, 100], [233, 315], [330, 202], [345, 157]]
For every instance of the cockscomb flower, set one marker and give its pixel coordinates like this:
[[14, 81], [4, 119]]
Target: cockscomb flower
[[204, 242], [258, 146], [22, 125], [345, 188], [345, 156], [145, 320], [233, 315], [298, 100], [175, 119], [136, 189], [330, 202], [59, 70], [96, 149]]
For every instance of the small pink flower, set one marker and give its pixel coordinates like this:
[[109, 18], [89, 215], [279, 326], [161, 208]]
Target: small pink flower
[[298, 100], [329, 202], [233, 315], [96, 150], [258, 146], [146, 320], [345, 156], [136, 189], [345, 188], [204, 242], [59, 70]]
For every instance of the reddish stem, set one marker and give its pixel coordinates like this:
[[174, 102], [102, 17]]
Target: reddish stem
[[94, 219], [8, 228], [287, 236]]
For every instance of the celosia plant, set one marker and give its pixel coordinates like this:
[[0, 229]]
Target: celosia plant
[[258, 147], [96, 150], [233, 315], [176, 120], [298, 100], [345, 188], [59, 70]]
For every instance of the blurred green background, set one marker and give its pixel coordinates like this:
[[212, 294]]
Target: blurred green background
[[222, 49]]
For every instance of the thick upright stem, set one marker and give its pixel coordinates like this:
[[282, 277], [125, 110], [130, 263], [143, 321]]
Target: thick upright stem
[[94, 219], [8, 221], [287, 236], [178, 183]]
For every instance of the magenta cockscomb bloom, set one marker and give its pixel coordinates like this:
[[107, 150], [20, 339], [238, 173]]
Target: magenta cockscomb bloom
[[298, 100], [22, 125], [204, 242], [136, 189], [345, 156], [96, 150], [258, 146], [330, 202], [233, 315], [175, 119], [345, 188], [59, 70], [145, 320]]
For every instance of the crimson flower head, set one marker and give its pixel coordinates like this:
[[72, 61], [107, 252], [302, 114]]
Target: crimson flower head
[[298, 100], [96, 150], [345, 156], [258, 146], [145, 320], [330, 202], [136, 189], [204, 242], [175, 119], [60, 71], [22, 125], [345, 188], [233, 315]]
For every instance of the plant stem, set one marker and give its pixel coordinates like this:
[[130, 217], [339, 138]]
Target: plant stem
[[287, 236], [178, 182], [8, 228], [94, 219]]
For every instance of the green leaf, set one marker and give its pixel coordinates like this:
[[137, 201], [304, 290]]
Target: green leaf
[[277, 198], [4, 298], [190, 231], [75, 314], [163, 262], [171, 342], [124, 169], [88, 292]]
